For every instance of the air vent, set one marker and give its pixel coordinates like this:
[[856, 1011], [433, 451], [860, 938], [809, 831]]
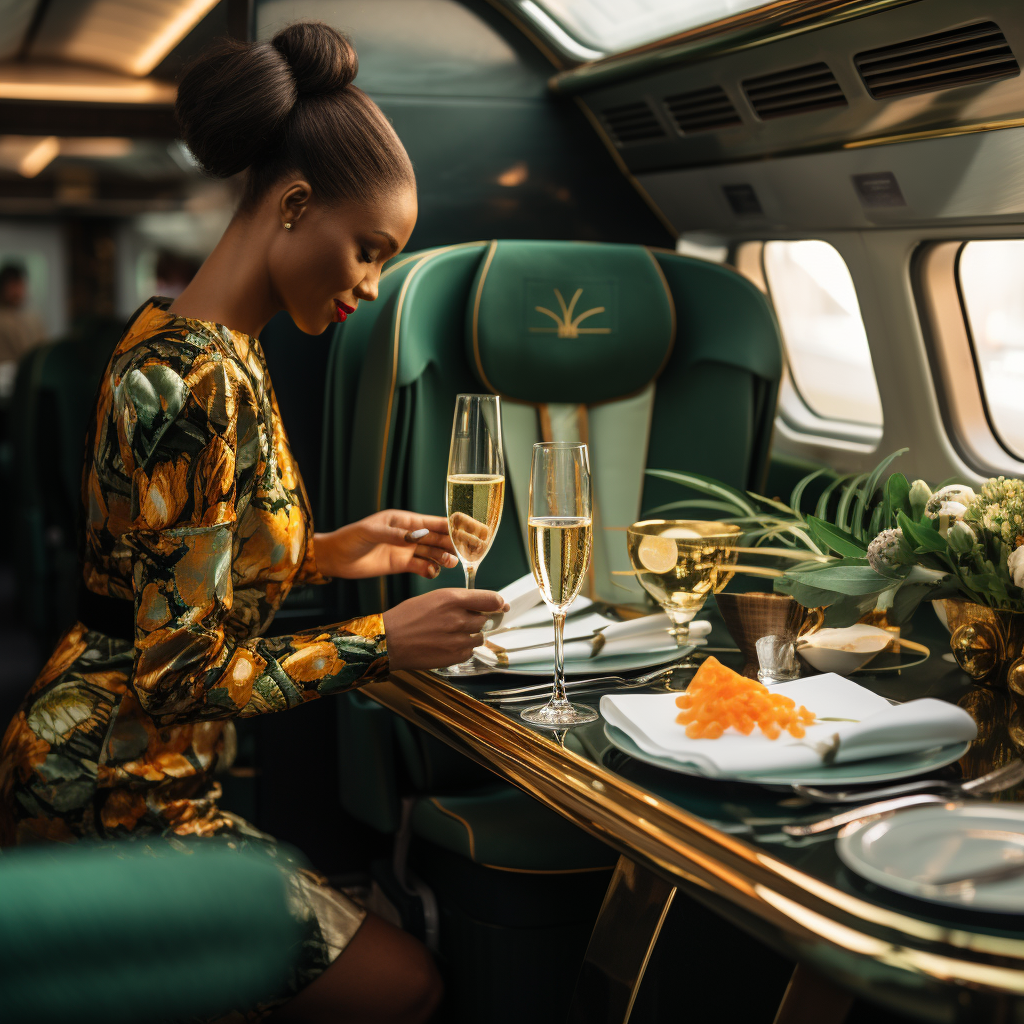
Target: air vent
[[796, 91], [977, 53], [702, 110], [632, 122]]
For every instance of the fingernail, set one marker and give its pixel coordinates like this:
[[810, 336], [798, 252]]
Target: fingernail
[[416, 535], [507, 607], [434, 571]]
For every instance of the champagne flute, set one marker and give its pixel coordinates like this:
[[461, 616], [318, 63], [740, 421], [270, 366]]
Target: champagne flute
[[679, 562], [560, 530], [475, 492]]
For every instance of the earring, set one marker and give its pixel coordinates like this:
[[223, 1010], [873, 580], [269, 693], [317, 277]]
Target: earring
[[287, 225]]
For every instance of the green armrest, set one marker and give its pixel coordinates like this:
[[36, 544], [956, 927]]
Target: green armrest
[[140, 932]]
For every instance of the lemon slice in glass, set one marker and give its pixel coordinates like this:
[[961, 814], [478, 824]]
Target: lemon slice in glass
[[657, 554]]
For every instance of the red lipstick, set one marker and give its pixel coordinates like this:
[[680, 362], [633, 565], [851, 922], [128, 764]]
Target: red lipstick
[[342, 310]]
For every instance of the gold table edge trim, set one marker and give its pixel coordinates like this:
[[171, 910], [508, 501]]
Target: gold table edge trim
[[684, 849]]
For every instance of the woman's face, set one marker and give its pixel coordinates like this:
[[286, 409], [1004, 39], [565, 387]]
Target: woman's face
[[331, 257]]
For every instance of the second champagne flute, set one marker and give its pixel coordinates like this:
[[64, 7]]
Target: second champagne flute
[[560, 531], [475, 493]]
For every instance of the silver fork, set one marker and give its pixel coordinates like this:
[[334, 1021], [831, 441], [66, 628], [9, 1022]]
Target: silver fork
[[1002, 778], [883, 808], [582, 687]]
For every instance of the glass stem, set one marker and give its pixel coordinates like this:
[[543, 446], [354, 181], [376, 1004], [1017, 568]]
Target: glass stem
[[558, 697], [470, 576]]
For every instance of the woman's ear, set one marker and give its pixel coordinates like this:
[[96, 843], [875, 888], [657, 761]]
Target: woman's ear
[[294, 202]]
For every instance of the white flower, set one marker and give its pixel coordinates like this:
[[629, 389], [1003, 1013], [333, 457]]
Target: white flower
[[961, 538], [1015, 563], [920, 495], [948, 506]]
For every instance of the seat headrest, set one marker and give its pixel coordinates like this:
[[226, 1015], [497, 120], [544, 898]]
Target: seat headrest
[[568, 321]]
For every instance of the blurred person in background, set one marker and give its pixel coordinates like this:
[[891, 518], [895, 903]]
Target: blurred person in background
[[196, 524], [20, 327]]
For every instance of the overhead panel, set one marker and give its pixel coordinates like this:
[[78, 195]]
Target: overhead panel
[[129, 36], [632, 122], [794, 91], [702, 110], [945, 60]]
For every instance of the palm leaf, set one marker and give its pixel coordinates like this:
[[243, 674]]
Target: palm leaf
[[847, 500], [710, 503], [798, 491], [706, 485], [772, 503], [821, 509], [838, 540], [867, 492]]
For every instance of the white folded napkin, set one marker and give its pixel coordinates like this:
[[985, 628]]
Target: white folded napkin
[[880, 730], [526, 606], [648, 633]]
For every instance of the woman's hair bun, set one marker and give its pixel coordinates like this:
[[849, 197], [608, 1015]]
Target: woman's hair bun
[[321, 59], [235, 98]]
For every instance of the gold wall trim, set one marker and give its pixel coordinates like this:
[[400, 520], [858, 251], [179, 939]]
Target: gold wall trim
[[935, 133], [743, 31], [833, 930]]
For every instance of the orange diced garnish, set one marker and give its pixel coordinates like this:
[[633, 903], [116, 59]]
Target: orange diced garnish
[[718, 699]]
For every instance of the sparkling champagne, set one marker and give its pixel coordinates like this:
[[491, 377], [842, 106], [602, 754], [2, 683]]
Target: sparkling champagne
[[475, 501], [559, 556]]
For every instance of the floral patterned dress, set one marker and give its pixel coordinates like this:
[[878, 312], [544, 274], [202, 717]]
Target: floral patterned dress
[[195, 510]]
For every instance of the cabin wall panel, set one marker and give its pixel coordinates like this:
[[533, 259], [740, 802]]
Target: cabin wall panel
[[496, 155]]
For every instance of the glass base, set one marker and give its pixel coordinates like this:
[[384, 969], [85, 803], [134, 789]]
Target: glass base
[[559, 716], [465, 668]]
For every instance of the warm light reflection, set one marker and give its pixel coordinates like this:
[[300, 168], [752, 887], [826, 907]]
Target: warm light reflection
[[41, 154], [172, 32], [67, 84], [515, 175]]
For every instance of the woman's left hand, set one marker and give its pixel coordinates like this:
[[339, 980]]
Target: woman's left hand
[[386, 543]]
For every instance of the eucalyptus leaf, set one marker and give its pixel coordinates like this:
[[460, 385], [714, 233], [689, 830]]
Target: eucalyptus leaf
[[927, 538], [830, 536], [852, 579]]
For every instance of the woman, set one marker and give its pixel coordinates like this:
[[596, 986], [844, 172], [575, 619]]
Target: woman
[[197, 524]]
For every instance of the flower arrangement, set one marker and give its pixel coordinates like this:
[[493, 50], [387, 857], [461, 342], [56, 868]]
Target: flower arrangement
[[890, 544]]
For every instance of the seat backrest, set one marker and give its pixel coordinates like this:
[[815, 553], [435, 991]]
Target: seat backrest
[[658, 360]]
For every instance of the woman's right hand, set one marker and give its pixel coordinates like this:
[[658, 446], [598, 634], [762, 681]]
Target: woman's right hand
[[440, 628]]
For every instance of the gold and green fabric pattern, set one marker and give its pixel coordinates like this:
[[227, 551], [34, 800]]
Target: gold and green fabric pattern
[[194, 509]]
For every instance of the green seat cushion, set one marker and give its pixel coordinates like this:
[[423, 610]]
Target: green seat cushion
[[553, 321], [500, 826], [140, 932]]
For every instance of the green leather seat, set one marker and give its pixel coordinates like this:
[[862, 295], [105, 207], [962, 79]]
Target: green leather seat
[[140, 932]]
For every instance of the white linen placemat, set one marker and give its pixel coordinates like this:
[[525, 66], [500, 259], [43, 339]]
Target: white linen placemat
[[880, 729]]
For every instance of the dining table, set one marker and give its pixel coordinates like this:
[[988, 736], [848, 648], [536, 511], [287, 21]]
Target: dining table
[[722, 844]]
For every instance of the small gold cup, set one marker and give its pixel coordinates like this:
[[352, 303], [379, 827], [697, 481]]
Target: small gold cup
[[748, 617]]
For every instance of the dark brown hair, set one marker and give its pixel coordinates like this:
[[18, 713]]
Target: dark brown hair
[[288, 106]]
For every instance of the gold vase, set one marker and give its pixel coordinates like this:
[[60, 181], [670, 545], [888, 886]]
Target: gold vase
[[987, 644]]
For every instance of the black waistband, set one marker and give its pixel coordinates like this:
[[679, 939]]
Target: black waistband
[[113, 616]]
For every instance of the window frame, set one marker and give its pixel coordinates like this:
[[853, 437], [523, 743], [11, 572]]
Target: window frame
[[794, 415], [953, 358]]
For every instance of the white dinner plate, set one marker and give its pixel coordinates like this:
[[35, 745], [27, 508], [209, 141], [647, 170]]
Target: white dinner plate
[[599, 666], [849, 773], [923, 844]]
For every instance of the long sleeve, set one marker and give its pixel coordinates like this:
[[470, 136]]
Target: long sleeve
[[205, 522]]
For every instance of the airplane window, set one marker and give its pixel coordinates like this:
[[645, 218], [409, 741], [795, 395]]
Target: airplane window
[[612, 26], [990, 275], [826, 344]]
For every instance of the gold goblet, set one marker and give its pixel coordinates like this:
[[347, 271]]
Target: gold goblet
[[679, 562]]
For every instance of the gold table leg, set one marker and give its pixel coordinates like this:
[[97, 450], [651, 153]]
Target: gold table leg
[[811, 999], [621, 943]]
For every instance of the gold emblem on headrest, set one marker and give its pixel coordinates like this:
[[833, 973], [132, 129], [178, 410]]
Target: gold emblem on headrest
[[567, 326]]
